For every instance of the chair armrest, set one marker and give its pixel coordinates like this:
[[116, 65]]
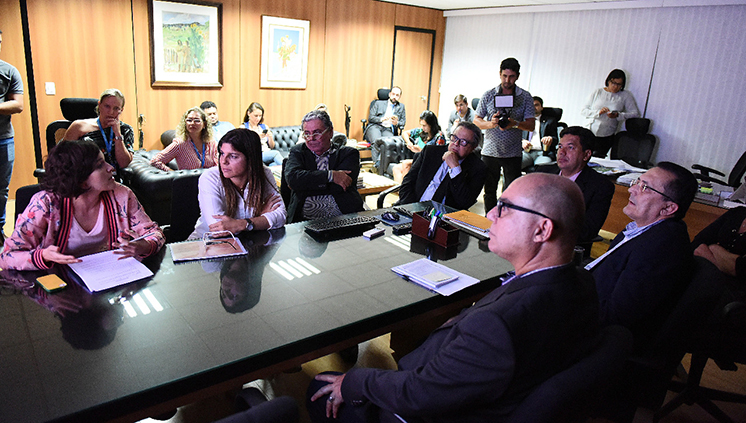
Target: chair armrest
[[391, 151], [704, 170], [383, 194]]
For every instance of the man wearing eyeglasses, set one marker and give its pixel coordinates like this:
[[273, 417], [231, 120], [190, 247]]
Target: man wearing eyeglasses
[[647, 267], [322, 177], [451, 174], [573, 153], [479, 365]]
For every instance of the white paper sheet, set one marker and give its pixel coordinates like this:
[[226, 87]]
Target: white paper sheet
[[105, 270], [421, 272]]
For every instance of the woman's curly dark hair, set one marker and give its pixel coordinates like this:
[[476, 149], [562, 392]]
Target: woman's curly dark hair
[[68, 165]]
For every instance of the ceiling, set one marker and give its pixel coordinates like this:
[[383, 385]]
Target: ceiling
[[473, 4]]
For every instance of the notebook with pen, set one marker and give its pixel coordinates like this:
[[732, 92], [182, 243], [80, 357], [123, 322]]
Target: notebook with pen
[[212, 245]]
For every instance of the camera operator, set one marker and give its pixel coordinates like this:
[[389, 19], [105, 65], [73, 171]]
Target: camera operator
[[504, 125]]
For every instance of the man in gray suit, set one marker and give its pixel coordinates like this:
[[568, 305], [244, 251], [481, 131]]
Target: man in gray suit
[[386, 118]]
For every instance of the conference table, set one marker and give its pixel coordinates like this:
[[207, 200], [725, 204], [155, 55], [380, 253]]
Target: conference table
[[199, 328]]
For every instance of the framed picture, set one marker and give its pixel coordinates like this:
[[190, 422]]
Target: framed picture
[[284, 53], [185, 44]]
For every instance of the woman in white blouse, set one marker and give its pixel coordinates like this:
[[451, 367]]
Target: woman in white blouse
[[607, 107], [240, 194]]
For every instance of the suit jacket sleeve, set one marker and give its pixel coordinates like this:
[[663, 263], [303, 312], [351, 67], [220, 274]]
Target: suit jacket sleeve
[[644, 275], [550, 130], [407, 192], [302, 176], [471, 368], [597, 193], [376, 112], [464, 189], [401, 114]]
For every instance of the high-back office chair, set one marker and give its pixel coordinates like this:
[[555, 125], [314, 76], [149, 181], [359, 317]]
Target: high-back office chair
[[184, 206], [382, 95], [285, 191], [23, 197], [167, 137], [72, 109], [652, 369], [735, 178], [566, 396], [634, 145], [720, 335]]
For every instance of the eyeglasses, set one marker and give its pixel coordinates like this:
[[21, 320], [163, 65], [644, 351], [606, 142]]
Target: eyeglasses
[[502, 204], [644, 187], [314, 135], [193, 120], [460, 141], [617, 84]]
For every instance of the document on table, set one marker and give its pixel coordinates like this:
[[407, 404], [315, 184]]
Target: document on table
[[105, 270], [434, 276]]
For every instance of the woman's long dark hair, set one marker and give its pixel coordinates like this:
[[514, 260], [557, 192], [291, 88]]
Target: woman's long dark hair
[[67, 167], [248, 144], [432, 121]]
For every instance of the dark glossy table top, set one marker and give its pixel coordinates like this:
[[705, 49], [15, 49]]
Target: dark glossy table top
[[102, 356]]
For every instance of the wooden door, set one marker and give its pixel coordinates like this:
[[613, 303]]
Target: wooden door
[[414, 49]]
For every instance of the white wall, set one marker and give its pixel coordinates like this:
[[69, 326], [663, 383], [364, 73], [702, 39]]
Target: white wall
[[694, 99]]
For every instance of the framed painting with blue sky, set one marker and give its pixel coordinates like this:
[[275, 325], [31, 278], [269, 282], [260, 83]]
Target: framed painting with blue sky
[[185, 44]]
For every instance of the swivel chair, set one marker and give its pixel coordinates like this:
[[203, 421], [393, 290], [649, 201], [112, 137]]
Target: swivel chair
[[565, 397], [72, 109], [184, 211], [735, 178], [475, 103], [383, 95], [634, 145]]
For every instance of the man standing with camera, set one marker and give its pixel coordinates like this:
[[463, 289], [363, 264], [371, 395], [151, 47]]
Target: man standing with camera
[[504, 112]]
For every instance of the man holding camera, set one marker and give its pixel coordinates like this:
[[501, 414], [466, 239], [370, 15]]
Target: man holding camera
[[504, 112]]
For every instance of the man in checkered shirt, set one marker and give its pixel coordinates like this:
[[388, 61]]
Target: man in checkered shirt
[[502, 145]]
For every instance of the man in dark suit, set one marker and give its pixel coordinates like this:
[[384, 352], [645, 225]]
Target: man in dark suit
[[386, 118], [539, 146], [573, 153], [323, 178], [479, 365], [641, 277], [451, 174]]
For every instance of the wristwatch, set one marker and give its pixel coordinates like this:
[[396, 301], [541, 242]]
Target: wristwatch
[[118, 137], [249, 225]]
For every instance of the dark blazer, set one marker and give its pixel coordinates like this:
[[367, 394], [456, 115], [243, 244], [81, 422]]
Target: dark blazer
[[478, 366], [378, 109], [640, 282], [305, 180], [548, 128], [461, 192], [598, 191]]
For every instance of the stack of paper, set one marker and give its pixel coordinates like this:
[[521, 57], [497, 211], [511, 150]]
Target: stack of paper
[[434, 276]]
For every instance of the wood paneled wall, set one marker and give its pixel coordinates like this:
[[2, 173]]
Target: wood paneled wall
[[86, 46], [13, 53]]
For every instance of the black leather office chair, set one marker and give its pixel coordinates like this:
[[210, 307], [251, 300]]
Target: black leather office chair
[[735, 178], [285, 191], [167, 137], [184, 206], [720, 336], [72, 109], [566, 396], [23, 197], [475, 103], [634, 145]]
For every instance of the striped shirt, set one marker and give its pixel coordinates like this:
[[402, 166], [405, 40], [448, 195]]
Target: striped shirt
[[186, 156]]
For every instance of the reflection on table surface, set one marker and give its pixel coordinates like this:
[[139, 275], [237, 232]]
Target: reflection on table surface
[[81, 356]]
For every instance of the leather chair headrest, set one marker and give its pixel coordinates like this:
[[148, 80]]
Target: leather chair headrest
[[383, 93], [638, 126], [78, 108]]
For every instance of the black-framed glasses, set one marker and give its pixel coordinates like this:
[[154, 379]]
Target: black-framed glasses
[[314, 135], [502, 204], [644, 187], [460, 141]]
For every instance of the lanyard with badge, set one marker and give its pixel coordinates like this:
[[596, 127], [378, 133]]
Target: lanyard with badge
[[108, 141], [202, 157]]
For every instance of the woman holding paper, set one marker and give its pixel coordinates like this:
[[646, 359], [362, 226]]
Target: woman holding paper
[[240, 194], [81, 210]]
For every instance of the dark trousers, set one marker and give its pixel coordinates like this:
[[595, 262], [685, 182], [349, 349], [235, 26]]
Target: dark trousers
[[372, 133], [511, 166]]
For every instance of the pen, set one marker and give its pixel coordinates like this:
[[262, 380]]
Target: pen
[[141, 237]]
